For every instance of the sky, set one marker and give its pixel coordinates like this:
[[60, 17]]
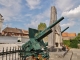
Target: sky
[[29, 13]]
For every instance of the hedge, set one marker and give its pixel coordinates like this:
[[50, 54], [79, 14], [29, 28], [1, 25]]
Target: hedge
[[71, 43], [74, 44]]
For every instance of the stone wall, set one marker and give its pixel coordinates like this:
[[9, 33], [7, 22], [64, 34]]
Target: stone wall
[[9, 39]]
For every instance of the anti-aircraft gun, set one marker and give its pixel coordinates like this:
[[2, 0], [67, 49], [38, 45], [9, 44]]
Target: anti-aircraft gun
[[36, 45]]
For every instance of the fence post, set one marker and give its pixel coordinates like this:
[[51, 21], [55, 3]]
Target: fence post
[[9, 53], [20, 53], [6, 52], [3, 53], [12, 52], [15, 53]]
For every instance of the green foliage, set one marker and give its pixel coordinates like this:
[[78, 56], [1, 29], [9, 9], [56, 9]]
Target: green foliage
[[74, 44], [66, 42], [71, 43], [41, 26]]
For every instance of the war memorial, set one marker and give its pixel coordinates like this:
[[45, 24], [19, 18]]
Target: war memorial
[[37, 49]]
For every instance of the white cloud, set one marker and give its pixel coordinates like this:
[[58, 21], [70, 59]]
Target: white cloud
[[35, 23], [64, 4], [70, 23], [68, 10], [43, 15], [75, 13], [28, 15], [39, 18], [10, 8], [32, 4], [7, 25]]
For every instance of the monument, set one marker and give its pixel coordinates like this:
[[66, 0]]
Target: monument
[[52, 36], [55, 38], [1, 21]]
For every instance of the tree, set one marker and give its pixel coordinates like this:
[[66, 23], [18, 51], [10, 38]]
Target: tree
[[41, 26]]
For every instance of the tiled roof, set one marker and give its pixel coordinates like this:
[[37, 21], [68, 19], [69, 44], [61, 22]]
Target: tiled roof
[[71, 34], [15, 30], [25, 32], [65, 34]]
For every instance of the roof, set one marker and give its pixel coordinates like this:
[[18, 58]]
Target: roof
[[25, 31], [71, 34], [66, 34], [14, 30]]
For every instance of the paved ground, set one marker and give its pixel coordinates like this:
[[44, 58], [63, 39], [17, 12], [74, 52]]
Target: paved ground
[[59, 55], [73, 54], [76, 54]]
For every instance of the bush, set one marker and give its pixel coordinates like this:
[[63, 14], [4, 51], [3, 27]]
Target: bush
[[74, 44], [66, 42]]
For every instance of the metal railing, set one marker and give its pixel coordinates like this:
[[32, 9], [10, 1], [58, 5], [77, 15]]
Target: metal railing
[[11, 54]]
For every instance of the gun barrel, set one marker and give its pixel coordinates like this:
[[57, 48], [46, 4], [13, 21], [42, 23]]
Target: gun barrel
[[41, 34], [56, 22], [64, 30]]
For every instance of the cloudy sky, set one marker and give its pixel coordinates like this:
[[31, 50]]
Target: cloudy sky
[[29, 13]]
